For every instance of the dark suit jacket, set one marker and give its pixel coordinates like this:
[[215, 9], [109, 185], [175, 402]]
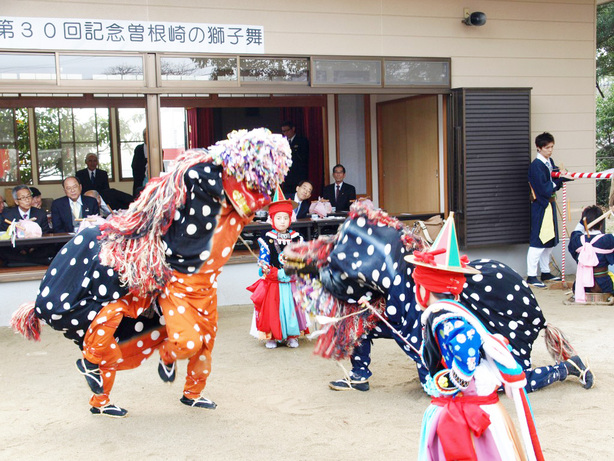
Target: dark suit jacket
[[61, 214], [303, 209], [15, 213], [101, 180], [300, 165], [139, 167], [346, 194]]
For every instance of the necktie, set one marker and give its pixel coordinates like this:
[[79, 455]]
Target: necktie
[[76, 209], [337, 193], [92, 176], [25, 216]]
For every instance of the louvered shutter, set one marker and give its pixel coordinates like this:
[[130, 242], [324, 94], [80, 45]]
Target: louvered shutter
[[491, 153]]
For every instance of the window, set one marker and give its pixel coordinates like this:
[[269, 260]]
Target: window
[[15, 158], [414, 72], [131, 123], [275, 70], [64, 136], [16, 66], [78, 67], [363, 72], [201, 69]]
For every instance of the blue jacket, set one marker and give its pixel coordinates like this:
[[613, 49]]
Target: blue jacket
[[61, 214]]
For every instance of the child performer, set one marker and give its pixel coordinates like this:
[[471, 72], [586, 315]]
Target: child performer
[[467, 365], [277, 316]]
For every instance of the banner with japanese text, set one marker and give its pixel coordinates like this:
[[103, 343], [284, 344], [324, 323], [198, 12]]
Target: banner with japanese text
[[113, 35]]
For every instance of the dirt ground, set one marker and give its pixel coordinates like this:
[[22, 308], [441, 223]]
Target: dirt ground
[[276, 404]]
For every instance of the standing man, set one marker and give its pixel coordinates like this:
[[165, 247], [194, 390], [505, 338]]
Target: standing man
[[66, 210], [300, 158], [340, 194], [139, 165], [544, 228], [92, 178]]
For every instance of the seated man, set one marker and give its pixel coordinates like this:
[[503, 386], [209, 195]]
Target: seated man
[[37, 198], [24, 210], [21, 255], [301, 197], [104, 208], [340, 194], [92, 177], [593, 253], [66, 211]]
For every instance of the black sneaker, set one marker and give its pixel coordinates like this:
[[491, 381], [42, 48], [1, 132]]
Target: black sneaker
[[349, 385], [200, 402], [535, 282], [166, 372], [576, 367], [112, 411], [548, 277], [92, 374]]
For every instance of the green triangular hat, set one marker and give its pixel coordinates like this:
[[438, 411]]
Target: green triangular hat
[[446, 251]]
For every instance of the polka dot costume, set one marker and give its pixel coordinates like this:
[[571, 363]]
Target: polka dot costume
[[86, 301], [77, 286], [502, 300], [368, 259]]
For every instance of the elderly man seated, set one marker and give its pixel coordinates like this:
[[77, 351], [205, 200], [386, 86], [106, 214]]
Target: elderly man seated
[[104, 208], [24, 211], [66, 212]]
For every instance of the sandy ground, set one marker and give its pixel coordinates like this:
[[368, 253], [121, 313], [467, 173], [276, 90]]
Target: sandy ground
[[275, 404]]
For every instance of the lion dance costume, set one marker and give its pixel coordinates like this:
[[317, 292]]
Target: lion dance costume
[[147, 279]]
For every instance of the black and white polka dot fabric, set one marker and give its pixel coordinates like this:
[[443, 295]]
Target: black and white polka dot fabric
[[368, 260], [76, 286], [188, 240], [505, 304]]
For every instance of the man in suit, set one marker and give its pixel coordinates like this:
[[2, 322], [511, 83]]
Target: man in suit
[[21, 255], [340, 194], [139, 166], [66, 210], [544, 228], [300, 158], [92, 178], [24, 210], [301, 197]]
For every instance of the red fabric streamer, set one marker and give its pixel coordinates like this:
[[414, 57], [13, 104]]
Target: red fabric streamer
[[428, 257], [460, 416], [438, 280]]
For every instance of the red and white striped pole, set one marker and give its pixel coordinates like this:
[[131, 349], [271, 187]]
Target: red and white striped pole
[[602, 175], [564, 232]]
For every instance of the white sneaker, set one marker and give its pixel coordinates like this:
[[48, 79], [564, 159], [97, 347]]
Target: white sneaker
[[271, 344], [292, 342]]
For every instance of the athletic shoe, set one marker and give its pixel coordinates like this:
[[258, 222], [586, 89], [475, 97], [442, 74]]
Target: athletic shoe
[[535, 282], [92, 374], [292, 342], [200, 402], [576, 367], [548, 277], [271, 344], [112, 411], [349, 385], [166, 372]]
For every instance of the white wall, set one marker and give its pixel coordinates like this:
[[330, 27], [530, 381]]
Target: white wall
[[232, 284]]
